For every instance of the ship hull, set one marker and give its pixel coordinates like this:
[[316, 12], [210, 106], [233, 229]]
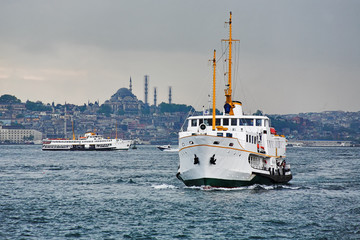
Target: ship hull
[[204, 164], [83, 149], [85, 146], [233, 183], [224, 183]]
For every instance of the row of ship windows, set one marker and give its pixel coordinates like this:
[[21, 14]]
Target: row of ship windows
[[16, 134], [103, 145], [77, 141], [276, 144], [251, 139], [230, 122], [13, 137], [55, 146], [271, 144]]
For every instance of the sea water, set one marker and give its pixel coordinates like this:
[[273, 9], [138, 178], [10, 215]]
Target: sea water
[[135, 195]]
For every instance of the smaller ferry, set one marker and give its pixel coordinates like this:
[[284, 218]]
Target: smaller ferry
[[89, 142]]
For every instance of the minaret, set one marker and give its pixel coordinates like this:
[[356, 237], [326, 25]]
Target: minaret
[[65, 121], [146, 89], [155, 96], [169, 95], [130, 86]]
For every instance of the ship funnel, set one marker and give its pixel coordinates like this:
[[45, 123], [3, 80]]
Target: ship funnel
[[238, 111]]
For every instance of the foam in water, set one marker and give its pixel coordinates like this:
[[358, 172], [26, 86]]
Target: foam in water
[[251, 187], [163, 186]]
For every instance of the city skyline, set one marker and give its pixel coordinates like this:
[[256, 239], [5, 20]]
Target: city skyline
[[294, 56]]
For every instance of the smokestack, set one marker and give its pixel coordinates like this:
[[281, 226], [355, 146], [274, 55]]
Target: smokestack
[[154, 96], [169, 95], [146, 89]]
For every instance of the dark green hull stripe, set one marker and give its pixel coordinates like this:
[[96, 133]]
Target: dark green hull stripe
[[214, 182]]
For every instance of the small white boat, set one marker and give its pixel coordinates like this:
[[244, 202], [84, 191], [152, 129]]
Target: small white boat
[[167, 148], [89, 142]]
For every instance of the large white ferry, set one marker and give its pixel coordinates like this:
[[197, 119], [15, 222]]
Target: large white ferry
[[232, 149], [90, 141]]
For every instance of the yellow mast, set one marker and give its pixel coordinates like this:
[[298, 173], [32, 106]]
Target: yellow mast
[[214, 85], [228, 91], [72, 123]]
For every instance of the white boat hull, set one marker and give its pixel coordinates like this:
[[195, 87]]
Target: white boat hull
[[84, 145], [204, 164]]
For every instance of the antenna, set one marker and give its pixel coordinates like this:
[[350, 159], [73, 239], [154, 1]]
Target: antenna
[[228, 91], [214, 89]]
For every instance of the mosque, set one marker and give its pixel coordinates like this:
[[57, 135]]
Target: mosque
[[124, 101]]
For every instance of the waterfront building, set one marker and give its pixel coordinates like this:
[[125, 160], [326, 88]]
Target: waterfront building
[[10, 135]]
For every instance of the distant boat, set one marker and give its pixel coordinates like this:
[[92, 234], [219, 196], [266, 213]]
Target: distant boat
[[167, 148], [133, 145], [90, 142]]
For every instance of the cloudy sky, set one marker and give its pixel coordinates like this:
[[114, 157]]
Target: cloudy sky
[[293, 56]]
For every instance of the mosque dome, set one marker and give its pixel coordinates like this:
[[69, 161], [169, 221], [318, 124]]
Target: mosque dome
[[122, 93]]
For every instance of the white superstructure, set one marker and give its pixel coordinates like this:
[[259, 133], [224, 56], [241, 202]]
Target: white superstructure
[[242, 150]]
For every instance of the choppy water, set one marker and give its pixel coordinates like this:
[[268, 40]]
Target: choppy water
[[135, 195]]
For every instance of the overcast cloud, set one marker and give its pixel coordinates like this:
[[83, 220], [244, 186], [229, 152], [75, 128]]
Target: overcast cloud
[[294, 56]]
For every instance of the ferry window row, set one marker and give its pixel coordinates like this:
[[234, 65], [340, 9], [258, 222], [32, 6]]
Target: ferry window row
[[230, 122], [251, 139]]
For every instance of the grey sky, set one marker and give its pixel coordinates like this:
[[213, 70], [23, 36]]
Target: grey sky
[[294, 56]]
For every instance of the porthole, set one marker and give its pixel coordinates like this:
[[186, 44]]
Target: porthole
[[216, 142]]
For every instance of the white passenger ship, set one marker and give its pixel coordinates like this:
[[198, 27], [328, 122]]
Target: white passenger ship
[[232, 149], [90, 141]]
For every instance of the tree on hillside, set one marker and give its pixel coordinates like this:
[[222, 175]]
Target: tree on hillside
[[258, 113], [105, 109], [280, 123], [36, 106], [165, 107], [8, 99], [82, 108]]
